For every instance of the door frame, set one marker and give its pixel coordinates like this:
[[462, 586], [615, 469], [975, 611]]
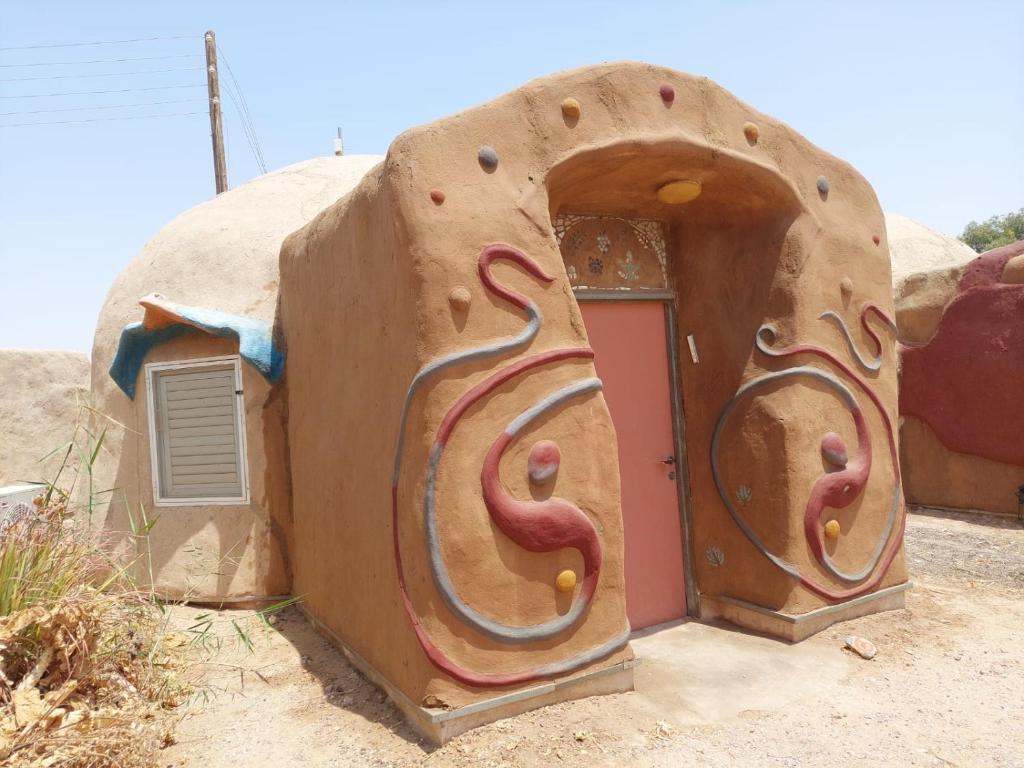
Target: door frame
[[668, 300]]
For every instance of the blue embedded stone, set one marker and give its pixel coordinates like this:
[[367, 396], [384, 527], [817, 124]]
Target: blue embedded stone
[[488, 157]]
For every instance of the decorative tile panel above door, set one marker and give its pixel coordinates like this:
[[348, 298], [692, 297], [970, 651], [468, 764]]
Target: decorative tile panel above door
[[612, 253]]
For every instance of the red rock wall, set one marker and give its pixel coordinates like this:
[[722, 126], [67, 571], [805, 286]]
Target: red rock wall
[[966, 383]]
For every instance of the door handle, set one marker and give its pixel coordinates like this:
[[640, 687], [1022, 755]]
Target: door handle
[[670, 460]]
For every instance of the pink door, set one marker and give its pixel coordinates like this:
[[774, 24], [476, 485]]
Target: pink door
[[628, 338]]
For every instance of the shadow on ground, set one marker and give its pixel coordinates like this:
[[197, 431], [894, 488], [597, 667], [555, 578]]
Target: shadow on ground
[[342, 684]]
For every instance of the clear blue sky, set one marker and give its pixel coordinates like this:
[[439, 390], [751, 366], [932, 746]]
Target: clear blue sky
[[926, 99]]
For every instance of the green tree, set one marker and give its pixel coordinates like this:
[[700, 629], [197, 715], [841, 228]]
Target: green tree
[[995, 232]]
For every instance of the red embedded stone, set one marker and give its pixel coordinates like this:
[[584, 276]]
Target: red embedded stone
[[437, 196], [834, 450], [668, 93], [876, 239], [543, 461]]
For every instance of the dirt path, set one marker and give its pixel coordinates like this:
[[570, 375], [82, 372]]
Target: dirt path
[[947, 688]]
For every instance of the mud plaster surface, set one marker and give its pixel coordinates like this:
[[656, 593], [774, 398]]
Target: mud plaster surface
[[391, 253], [933, 474], [916, 248], [40, 396], [221, 254], [921, 299], [960, 394], [943, 690]]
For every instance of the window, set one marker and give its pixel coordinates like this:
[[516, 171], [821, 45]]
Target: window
[[197, 432]]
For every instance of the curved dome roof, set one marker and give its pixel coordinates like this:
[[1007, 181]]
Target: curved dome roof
[[223, 253], [914, 248]]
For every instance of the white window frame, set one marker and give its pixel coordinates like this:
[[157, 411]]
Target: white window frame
[[199, 362]]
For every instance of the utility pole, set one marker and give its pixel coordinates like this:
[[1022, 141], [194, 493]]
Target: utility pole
[[220, 167]]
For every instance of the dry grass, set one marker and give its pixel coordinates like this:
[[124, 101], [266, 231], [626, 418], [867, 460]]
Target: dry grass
[[84, 677], [91, 673]]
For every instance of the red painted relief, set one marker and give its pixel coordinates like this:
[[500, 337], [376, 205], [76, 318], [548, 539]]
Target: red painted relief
[[967, 381]]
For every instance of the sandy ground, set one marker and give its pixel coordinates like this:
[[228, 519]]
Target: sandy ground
[[946, 689]]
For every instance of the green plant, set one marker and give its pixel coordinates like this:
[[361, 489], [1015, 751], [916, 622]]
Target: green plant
[[72, 629], [42, 560], [994, 232], [46, 554], [74, 626]]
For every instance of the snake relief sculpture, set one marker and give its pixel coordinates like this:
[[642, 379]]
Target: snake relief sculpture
[[537, 526], [836, 489]]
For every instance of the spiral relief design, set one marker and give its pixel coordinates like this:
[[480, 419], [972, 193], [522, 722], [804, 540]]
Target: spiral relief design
[[538, 526], [837, 489], [875, 363]]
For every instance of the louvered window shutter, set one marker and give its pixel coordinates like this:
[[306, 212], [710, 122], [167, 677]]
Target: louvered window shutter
[[198, 448]]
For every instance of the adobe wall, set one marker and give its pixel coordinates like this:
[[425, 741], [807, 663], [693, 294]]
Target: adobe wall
[[391, 281], [356, 268], [770, 458], [41, 394], [763, 245], [214, 552], [962, 361], [221, 255], [916, 249]]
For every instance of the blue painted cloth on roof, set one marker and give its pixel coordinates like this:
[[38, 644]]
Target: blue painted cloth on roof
[[255, 343]]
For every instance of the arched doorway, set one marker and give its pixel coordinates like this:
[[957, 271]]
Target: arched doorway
[[671, 296]]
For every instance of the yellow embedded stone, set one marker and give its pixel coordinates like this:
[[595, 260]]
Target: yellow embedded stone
[[571, 109], [565, 581], [832, 529], [752, 132], [676, 192]]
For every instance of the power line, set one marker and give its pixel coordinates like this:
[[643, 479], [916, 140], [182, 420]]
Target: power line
[[247, 122], [248, 129], [103, 61], [95, 42], [102, 119], [100, 74], [243, 111], [92, 93], [104, 106]]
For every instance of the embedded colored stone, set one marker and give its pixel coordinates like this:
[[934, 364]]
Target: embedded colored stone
[[876, 239], [823, 185], [677, 192], [832, 529], [543, 461], [437, 196], [459, 297], [565, 581], [668, 94], [488, 157], [752, 132], [571, 109], [833, 450]]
